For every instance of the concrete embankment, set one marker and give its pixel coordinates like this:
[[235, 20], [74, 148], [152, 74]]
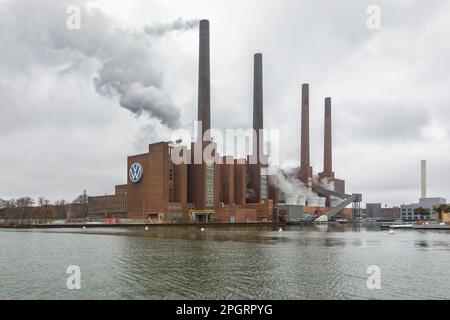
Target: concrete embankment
[[133, 225], [432, 227]]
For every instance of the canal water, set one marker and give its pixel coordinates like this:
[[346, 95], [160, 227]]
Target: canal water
[[315, 262]]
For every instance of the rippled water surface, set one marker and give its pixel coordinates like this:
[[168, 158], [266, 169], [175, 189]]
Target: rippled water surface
[[317, 262]]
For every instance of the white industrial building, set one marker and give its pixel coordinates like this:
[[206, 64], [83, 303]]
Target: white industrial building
[[407, 210]]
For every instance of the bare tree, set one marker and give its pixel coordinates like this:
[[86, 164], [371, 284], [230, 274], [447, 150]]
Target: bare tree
[[80, 205], [60, 202], [3, 204], [9, 206], [23, 204], [82, 198], [61, 208], [44, 203]]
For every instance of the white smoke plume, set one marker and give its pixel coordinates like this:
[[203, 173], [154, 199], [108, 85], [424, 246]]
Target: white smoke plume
[[324, 182], [287, 181], [123, 62], [176, 25], [133, 77]]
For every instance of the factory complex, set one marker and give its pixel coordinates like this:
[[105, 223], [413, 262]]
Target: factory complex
[[217, 187]]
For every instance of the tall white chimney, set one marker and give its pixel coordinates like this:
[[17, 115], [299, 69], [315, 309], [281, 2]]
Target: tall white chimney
[[423, 176]]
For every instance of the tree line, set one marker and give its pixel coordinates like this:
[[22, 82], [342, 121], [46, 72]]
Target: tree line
[[42, 208]]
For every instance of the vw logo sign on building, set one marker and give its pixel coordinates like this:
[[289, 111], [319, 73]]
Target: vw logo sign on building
[[136, 172]]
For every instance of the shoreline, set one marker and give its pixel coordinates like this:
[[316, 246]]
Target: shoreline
[[150, 225]]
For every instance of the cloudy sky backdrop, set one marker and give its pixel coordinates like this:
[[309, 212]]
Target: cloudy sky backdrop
[[75, 103]]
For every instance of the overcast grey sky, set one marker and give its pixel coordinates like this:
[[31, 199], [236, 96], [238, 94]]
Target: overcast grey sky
[[63, 129]]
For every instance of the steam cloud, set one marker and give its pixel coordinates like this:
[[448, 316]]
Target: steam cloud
[[176, 25], [324, 183], [137, 92], [131, 75], [286, 180], [123, 61]]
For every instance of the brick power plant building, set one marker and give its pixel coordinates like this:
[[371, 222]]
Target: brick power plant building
[[160, 190]]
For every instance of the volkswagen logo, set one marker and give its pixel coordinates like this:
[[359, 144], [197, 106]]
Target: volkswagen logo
[[136, 172]]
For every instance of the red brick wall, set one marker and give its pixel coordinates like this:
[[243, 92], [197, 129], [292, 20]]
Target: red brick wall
[[264, 211], [151, 194], [241, 215]]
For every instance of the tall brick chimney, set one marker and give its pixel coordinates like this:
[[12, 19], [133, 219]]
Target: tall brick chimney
[[327, 172], [327, 151], [254, 166], [305, 170], [257, 102], [204, 88]]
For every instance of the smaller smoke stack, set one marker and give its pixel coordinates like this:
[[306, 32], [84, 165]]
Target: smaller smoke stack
[[305, 174], [305, 127], [204, 87], [257, 101], [423, 178], [327, 155]]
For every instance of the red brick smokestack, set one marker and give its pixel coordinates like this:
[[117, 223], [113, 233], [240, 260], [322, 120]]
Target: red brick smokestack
[[254, 166], [327, 144], [305, 169], [328, 173], [257, 102], [204, 93], [327, 153]]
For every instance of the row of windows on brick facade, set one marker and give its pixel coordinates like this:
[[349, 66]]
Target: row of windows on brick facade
[[109, 202]]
